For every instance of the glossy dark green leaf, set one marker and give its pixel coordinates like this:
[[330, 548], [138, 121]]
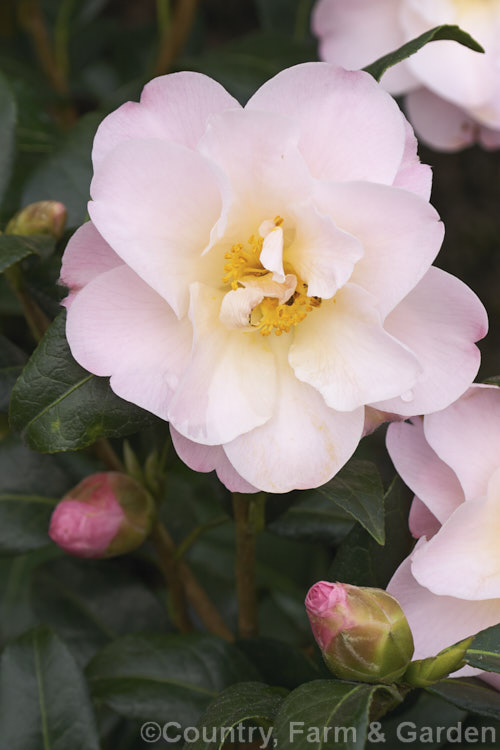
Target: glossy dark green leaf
[[359, 492], [439, 33], [313, 517], [56, 405], [30, 486], [420, 710], [8, 117], [469, 694], [16, 247], [278, 663], [329, 714], [484, 651], [66, 174], [91, 602], [245, 702], [44, 701], [360, 560], [161, 676], [12, 360]]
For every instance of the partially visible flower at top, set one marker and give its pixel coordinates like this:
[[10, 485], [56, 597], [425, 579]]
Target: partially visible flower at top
[[449, 587], [106, 514], [362, 632], [453, 93], [257, 276]]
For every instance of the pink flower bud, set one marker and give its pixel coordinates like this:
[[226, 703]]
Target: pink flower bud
[[106, 514], [44, 217], [362, 632]]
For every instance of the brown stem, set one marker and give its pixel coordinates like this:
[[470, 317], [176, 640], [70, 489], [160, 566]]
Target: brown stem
[[191, 589], [105, 453], [31, 17], [36, 319], [175, 35], [170, 568], [245, 567]]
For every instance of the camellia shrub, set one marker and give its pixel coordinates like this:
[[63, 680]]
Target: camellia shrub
[[249, 462]]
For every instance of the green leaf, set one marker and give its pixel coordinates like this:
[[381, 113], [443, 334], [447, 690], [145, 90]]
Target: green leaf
[[66, 174], [484, 651], [16, 247], [313, 517], [91, 602], [44, 701], [30, 486], [359, 492], [363, 562], [56, 405], [12, 360], [278, 663], [157, 676], [246, 701], [329, 714], [439, 33], [8, 117], [469, 694]]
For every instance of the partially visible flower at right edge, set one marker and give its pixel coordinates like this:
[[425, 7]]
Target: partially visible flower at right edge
[[449, 587]]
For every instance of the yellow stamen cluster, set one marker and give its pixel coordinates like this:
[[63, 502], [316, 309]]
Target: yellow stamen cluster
[[242, 262], [280, 318], [270, 315]]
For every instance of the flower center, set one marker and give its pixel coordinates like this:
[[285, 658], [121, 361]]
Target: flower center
[[283, 302]]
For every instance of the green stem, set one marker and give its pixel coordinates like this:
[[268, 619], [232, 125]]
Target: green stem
[[61, 37], [302, 19], [191, 538], [245, 567], [175, 35], [36, 319], [165, 549]]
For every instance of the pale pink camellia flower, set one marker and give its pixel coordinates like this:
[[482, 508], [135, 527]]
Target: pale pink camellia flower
[[257, 276], [453, 93], [106, 514], [449, 587]]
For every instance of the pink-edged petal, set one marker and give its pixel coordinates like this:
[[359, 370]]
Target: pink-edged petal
[[343, 351], [322, 254], [356, 33], [463, 558], [422, 470], [119, 326], [86, 256], [421, 521], [400, 233], [303, 445], [439, 321], [257, 154], [413, 175], [439, 621], [174, 107], [374, 418], [350, 128], [466, 436], [207, 458], [156, 204], [439, 123], [229, 386]]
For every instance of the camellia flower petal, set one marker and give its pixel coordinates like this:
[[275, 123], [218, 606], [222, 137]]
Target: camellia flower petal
[[259, 276], [453, 93], [449, 587]]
